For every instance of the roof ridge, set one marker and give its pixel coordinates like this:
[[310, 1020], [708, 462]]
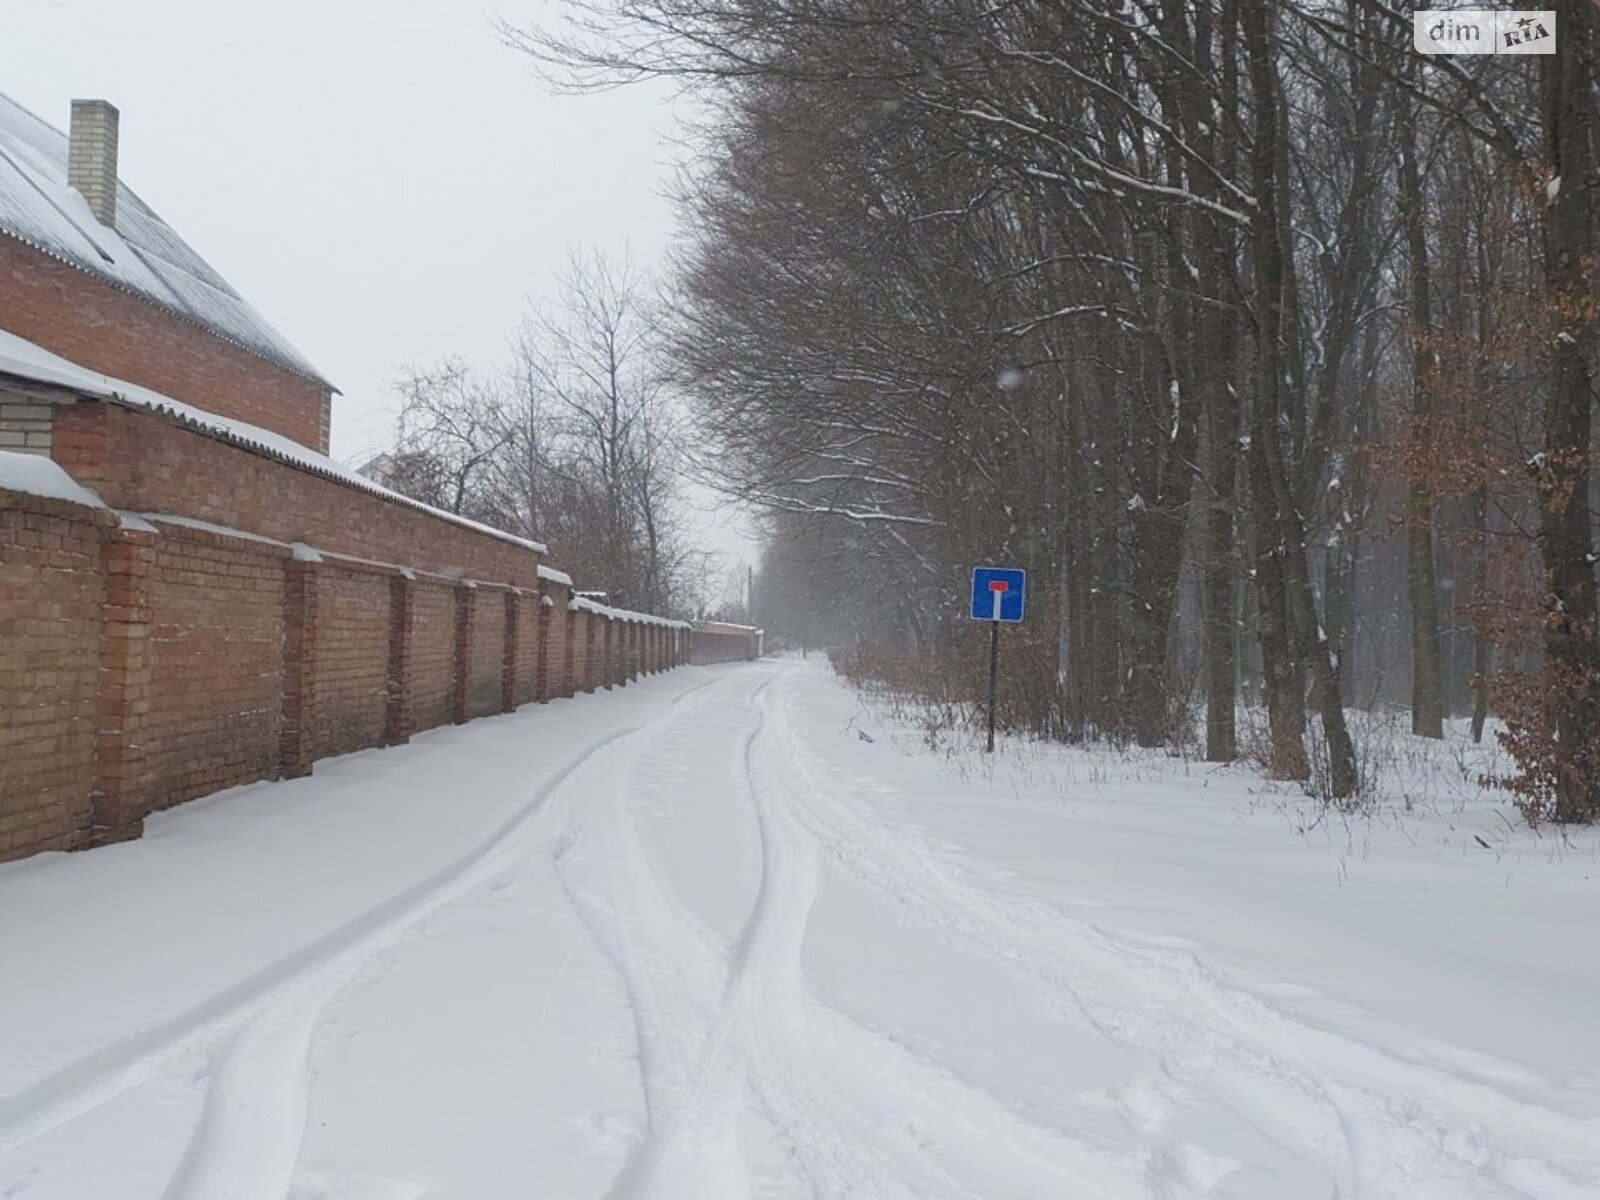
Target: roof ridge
[[141, 255]]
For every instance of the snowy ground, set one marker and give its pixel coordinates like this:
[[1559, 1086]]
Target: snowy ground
[[700, 938]]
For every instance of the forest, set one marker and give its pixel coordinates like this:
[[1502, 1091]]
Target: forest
[[1266, 343]]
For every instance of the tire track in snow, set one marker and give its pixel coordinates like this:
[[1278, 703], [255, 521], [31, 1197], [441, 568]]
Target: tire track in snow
[[966, 1141], [674, 971], [725, 1034], [256, 1034], [1351, 1109], [695, 1003], [249, 1139], [773, 1011]]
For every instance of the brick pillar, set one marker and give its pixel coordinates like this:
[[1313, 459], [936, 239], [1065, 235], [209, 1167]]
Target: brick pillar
[[121, 795], [397, 714], [606, 680], [299, 641], [508, 664], [461, 662], [541, 670]]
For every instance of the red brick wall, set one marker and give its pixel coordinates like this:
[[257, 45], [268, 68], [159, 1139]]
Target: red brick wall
[[142, 462], [560, 626], [216, 662], [486, 653], [594, 630], [609, 654], [525, 680], [51, 593], [432, 653], [349, 659], [142, 666], [99, 326], [705, 647]]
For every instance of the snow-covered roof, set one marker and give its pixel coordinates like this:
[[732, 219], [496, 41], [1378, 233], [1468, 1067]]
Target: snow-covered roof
[[142, 255], [23, 359]]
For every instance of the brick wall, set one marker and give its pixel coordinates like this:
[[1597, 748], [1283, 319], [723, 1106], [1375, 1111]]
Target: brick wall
[[433, 653], [51, 595], [349, 659], [215, 634], [719, 646], [558, 640], [140, 461], [525, 689], [148, 661], [486, 653], [24, 422], [100, 326], [613, 667], [584, 626]]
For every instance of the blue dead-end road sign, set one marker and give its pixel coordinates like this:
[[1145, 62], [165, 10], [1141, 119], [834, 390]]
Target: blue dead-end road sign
[[997, 593]]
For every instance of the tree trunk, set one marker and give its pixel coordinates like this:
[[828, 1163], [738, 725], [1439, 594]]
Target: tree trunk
[[1221, 657], [1427, 693], [1279, 516], [1566, 535], [1482, 653]]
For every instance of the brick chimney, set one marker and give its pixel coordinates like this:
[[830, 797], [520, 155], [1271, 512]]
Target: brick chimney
[[92, 157]]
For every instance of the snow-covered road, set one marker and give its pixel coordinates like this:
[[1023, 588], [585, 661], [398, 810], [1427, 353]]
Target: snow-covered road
[[702, 939]]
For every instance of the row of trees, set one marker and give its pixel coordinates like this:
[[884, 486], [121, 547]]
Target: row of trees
[[1265, 342], [574, 442]]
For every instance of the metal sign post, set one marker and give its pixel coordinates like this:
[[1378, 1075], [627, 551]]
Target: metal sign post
[[997, 595], [994, 670]]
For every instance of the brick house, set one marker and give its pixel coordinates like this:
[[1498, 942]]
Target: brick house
[[193, 595], [89, 272]]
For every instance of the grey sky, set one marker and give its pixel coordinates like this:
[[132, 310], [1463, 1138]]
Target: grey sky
[[384, 181]]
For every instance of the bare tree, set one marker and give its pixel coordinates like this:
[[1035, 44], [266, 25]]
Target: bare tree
[[452, 424], [1140, 296], [576, 442]]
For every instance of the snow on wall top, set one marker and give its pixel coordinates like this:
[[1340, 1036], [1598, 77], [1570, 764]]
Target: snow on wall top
[[25, 360], [142, 255], [580, 604], [724, 627], [37, 475], [554, 576]]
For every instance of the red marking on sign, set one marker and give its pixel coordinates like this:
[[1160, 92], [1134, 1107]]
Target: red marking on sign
[[997, 585]]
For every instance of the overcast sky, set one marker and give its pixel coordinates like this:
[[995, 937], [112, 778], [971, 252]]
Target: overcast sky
[[385, 181]]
